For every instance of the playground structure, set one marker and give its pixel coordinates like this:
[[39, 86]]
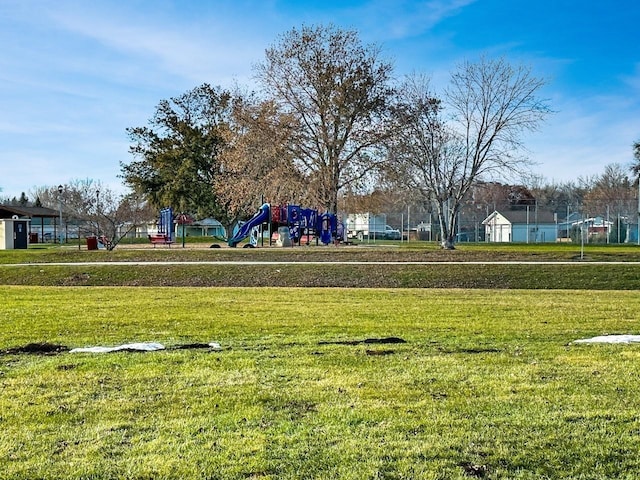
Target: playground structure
[[165, 228], [292, 223]]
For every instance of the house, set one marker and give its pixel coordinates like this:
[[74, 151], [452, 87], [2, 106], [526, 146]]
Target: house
[[207, 227], [567, 225], [528, 226]]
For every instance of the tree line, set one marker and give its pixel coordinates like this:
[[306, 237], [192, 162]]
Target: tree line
[[330, 121], [329, 127]]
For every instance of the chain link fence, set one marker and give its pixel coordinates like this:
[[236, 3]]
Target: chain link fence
[[612, 223]]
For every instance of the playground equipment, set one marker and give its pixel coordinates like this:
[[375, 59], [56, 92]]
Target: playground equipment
[[293, 221], [165, 228]]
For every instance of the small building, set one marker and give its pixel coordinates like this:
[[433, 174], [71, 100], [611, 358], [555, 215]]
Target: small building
[[39, 221], [593, 226], [207, 227], [14, 233], [424, 231], [526, 226]]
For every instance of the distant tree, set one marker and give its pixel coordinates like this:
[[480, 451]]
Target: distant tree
[[611, 192], [635, 167], [474, 133], [95, 209], [520, 196], [37, 203], [24, 200], [177, 157], [557, 197], [257, 165], [336, 92]]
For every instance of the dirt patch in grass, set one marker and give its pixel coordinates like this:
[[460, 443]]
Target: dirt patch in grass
[[37, 349], [475, 471], [473, 350], [382, 341], [45, 348]]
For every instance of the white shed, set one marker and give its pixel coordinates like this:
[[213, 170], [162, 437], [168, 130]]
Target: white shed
[[497, 228], [14, 233]]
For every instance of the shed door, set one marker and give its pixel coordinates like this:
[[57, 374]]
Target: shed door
[[19, 234]]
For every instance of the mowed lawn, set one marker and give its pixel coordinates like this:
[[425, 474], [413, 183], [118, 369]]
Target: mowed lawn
[[486, 385]]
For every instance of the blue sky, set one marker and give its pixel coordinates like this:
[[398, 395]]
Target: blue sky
[[75, 74]]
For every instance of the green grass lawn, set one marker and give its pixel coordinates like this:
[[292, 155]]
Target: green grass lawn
[[487, 385], [549, 266]]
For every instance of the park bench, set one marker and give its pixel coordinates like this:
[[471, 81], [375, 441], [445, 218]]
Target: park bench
[[160, 238]]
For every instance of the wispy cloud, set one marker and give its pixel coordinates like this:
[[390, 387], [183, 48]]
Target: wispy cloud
[[633, 81], [194, 49], [584, 136], [400, 19]]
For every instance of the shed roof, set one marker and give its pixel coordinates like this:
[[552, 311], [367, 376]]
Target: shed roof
[[7, 211], [207, 222]]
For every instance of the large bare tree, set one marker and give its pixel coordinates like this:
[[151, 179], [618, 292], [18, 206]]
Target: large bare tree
[[473, 133], [256, 163], [336, 90]]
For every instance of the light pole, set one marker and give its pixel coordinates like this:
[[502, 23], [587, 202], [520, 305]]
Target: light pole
[[98, 213], [60, 190]]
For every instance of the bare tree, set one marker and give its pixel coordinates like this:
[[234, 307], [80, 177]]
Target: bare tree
[[256, 163], [336, 91], [635, 166], [611, 189], [474, 133], [91, 208], [635, 169]]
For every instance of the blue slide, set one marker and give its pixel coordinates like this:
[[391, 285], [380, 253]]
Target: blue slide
[[259, 218]]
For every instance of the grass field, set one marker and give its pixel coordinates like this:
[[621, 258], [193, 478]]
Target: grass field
[[562, 266], [487, 385], [480, 382]]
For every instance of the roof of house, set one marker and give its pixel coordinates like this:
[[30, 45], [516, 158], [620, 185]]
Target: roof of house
[[206, 222], [7, 211], [522, 216]]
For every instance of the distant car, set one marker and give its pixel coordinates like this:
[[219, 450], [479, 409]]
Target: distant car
[[391, 233]]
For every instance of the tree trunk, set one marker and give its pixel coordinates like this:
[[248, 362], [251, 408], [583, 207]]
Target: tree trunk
[[449, 243], [447, 218]]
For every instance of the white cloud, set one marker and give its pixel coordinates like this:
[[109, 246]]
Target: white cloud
[[194, 50], [633, 81], [400, 19], [584, 136]]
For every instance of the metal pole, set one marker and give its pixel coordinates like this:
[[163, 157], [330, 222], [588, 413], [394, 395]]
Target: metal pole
[[582, 239], [183, 222], [408, 222], [528, 234], [98, 213], [606, 229], [60, 190]]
